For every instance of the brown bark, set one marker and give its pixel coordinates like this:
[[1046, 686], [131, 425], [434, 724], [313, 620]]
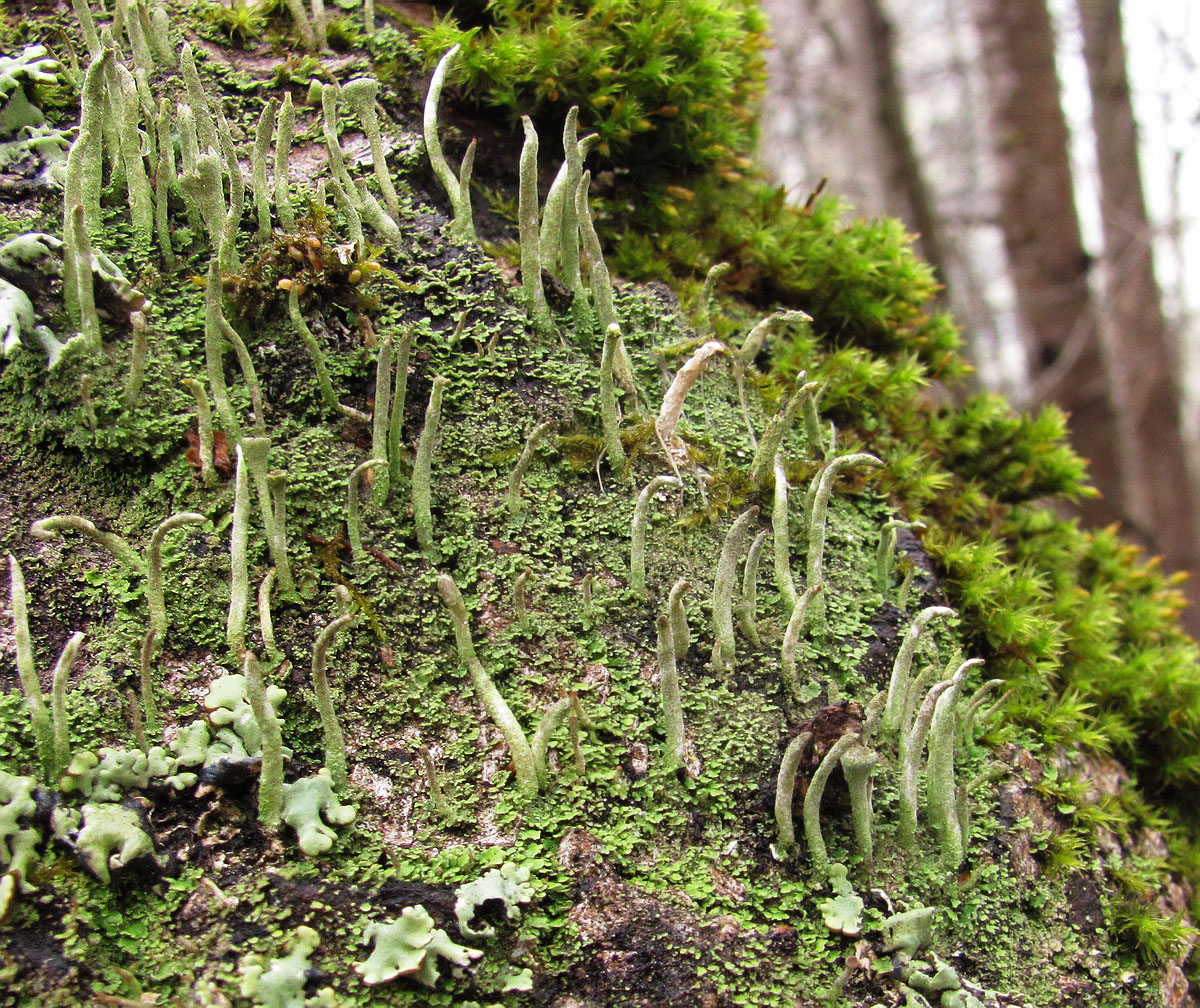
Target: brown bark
[[1041, 235], [1142, 358]]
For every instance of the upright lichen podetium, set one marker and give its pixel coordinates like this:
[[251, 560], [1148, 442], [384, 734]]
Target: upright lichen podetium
[[39, 716], [668, 685], [608, 399], [270, 775], [816, 521], [902, 666], [781, 537], [422, 474], [637, 533], [239, 587], [724, 582], [458, 189], [527, 217], [331, 729], [524, 762], [353, 524], [58, 702]]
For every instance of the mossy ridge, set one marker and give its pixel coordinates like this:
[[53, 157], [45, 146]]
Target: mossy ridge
[[672, 208], [469, 497], [863, 286]]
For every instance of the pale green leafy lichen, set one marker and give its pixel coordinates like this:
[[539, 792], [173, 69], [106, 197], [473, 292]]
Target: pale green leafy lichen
[[110, 838], [509, 884], [309, 804], [410, 946], [280, 983]]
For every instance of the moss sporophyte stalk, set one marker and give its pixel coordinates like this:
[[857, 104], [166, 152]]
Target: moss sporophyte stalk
[[614, 715]]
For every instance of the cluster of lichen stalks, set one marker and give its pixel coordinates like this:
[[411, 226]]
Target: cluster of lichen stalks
[[116, 103]]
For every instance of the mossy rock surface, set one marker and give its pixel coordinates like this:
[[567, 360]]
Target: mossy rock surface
[[650, 887]]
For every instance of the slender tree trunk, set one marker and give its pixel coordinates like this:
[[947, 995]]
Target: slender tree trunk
[[839, 101], [1142, 358], [1041, 235], [903, 173]]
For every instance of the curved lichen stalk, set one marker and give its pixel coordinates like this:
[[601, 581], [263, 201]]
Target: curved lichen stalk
[[524, 762], [679, 624], [973, 708], [551, 720], [361, 93], [457, 189], [812, 803], [940, 790], [724, 584], [858, 767], [672, 404], [317, 356], [422, 475], [154, 582], [637, 533], [816, 519], [512, 498], [785, 790], [772, 439], [791, 640], [902, 666], [911, 749], [885, 555], [703, 316], [753, 343], [52, 528], [331, 729], [329, 130]]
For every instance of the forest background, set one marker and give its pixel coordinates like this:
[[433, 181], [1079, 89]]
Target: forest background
[[1040, 149]]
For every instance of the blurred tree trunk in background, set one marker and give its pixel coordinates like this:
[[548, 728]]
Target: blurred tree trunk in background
[[1046, 257], [857, 100], [951, 117], [903, 174], [1143, 361]]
